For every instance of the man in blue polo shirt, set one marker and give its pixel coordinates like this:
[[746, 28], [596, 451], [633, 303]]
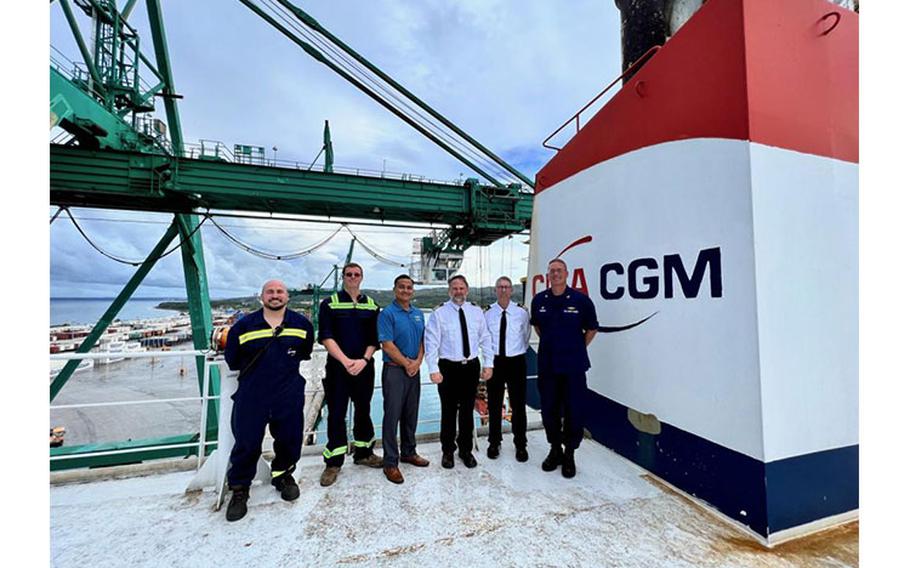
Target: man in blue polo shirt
[[566, 322], [401, 337]]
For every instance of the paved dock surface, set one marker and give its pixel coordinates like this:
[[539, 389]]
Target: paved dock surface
[[501, 512]]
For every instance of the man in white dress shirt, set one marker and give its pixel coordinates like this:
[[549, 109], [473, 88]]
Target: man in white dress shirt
[[510, 330], [455, 336]]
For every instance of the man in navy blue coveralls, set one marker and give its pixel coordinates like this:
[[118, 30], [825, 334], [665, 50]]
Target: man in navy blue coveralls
[[347, 328], [566, 322], [266, 347]]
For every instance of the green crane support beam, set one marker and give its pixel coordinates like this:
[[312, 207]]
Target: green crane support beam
[[67, 371], [138, 181], [197, 293], [159, 39]]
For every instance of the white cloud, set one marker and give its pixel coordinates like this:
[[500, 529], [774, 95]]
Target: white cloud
[[507, 72]]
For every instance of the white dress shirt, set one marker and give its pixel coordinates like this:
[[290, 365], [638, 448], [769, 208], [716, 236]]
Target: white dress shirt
[[442, 337], [518, 328]]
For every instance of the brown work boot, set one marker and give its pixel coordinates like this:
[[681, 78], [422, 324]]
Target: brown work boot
[[416, 460], [329, 475], [371, 460], [393, 474]]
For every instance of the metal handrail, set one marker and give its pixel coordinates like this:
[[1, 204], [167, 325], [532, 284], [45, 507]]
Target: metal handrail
[[203, 399], [192, 151], [576, 117]]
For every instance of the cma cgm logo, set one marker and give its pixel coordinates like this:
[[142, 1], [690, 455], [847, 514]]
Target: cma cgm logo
[[647, 278]]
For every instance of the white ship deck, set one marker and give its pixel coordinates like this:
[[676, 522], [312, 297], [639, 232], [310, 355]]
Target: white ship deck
[[611, 514]]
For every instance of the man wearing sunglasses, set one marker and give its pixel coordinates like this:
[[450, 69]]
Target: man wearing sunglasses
[[347, 329]]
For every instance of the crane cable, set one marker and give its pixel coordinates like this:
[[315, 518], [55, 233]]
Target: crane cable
[[381, 257], [123, 260], [354, 68], [372, 252], [271, 256]]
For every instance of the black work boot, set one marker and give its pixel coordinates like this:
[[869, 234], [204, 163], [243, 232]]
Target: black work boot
[[236, 509], [493, 451], [286, 484], [553, 459], [568, 464]]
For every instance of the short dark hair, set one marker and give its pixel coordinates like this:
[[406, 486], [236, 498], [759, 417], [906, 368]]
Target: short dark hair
[[458, 277], [506, 278], [351, 265], [402, 277], [560, 261]]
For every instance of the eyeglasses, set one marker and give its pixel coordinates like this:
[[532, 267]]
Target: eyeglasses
[[352, 274]]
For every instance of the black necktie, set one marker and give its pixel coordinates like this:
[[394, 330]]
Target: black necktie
[[502, 334], [465, 347]]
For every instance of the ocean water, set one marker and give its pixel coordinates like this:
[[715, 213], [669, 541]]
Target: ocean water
[[166, 378], [89, 310], [169, 378]]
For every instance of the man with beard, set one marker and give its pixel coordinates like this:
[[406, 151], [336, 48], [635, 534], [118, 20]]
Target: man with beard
[[267, 347], [456, 334]]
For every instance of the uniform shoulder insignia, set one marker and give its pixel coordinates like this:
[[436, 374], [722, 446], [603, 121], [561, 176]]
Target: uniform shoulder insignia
[[440, 304], [520, 305], [472, 303]]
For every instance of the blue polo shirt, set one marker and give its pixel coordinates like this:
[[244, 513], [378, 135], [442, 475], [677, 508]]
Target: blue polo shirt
[[562, 321], [402, 327]]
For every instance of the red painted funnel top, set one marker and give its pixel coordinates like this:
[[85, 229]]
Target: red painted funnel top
[[778, 72]]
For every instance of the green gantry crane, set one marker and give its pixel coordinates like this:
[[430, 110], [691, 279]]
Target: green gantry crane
[[115, 156]]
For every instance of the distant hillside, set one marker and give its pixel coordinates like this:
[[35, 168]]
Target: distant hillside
[[301, 300]]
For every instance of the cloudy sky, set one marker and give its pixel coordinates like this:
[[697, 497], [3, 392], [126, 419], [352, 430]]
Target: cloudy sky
[[508, 72]]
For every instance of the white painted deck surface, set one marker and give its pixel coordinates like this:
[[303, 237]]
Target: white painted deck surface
[[501, 513]]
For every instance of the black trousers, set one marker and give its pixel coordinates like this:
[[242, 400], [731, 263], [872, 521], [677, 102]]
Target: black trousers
[[508, 372], [457, 392], [562, 400], [341, 387]]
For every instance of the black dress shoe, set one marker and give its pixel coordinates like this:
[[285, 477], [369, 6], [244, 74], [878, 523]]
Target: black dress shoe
[[568, 464], [448, 460], [521, 454], [493, 452], [553, 459], [468, 459]]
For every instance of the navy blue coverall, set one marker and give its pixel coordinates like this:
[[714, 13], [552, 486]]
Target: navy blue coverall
[[270, 391], [562, 360], [353, 327]]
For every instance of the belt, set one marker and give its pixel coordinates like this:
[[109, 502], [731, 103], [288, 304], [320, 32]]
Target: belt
[[391, 364], [462, 362]]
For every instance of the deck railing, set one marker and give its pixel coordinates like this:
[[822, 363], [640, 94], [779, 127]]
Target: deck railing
[[189, 444]]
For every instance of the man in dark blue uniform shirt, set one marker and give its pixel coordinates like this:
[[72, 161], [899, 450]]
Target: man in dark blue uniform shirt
[[267, 347], [347, 329], [566, 322]]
